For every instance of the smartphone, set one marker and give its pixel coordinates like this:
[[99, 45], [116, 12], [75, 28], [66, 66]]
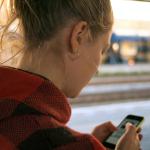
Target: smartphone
[[111, 141]]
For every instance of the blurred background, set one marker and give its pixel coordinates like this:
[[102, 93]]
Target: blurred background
[[121, 85], [131, 33]]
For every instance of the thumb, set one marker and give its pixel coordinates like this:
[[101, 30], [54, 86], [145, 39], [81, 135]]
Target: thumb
[[128, 126], [130, 129]]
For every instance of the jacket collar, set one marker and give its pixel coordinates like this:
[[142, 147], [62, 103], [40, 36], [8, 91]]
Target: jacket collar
[[35, 91]]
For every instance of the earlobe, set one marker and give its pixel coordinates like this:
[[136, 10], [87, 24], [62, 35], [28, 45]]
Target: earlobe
[[74, 56]]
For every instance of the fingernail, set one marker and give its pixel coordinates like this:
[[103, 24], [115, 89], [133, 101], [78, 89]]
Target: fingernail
[[129, 124]]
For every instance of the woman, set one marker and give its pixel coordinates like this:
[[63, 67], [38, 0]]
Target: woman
[[64, 42]]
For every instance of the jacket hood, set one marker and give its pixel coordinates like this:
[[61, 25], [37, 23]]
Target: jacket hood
[[31, 90]]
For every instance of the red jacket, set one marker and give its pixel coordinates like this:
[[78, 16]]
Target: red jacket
[[34, 113]]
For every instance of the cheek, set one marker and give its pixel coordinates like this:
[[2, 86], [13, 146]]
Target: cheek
[[97, 59]]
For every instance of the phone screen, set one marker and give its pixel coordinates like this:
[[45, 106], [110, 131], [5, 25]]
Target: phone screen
[[111, 141], [116, 135]]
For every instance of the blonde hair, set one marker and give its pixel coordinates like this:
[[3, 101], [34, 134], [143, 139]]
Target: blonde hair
[[40, 20]]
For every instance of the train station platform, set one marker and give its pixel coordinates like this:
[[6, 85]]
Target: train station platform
[[122, 82], [85, 118], [124, 68]]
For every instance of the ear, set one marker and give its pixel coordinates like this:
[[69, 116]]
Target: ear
[[78, 36]]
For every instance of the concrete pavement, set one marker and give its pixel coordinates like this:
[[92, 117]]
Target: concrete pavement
[[84, 119]]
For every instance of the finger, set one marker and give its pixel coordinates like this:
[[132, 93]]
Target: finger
[[111, 126], [108, 126]]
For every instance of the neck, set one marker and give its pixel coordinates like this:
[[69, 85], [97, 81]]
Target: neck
[[47, 65]]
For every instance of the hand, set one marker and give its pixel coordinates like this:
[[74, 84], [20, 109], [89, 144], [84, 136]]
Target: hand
[[130, 139], [102, 131]]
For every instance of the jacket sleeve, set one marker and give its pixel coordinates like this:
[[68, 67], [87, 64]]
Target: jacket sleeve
[[96, 144], [6, 144], [84, 142]]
